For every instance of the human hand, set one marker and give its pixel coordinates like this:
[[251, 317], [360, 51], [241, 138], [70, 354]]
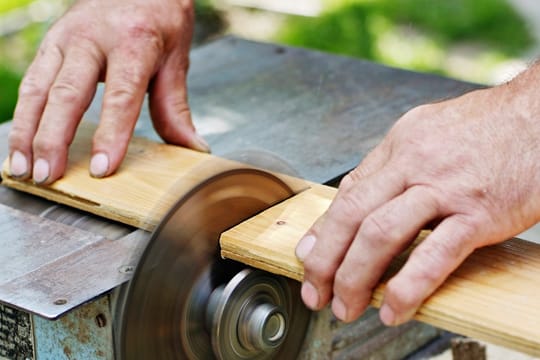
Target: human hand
[[469, 165], [132, 45]]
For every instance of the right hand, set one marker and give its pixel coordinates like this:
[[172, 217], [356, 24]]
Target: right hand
[[132, 45], [468, 167]]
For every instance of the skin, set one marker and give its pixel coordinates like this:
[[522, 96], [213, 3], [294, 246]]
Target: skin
[[469, 165], [134, 46]]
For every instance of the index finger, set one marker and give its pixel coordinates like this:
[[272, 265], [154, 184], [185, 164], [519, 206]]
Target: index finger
[[125, 87], [33, 94], [69, 96], [333, 233]]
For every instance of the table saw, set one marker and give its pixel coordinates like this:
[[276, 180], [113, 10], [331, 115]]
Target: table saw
[[65, 292]]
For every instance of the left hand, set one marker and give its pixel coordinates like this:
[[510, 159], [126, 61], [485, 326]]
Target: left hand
[[470, 164], [132, 45]]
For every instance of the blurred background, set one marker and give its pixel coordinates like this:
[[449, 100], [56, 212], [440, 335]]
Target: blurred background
[[483, 41]]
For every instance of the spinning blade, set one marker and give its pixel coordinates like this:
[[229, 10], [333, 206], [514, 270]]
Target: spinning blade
[[168, 313]]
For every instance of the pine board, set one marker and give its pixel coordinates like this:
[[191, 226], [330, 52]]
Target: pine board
[[152, 177], [494, 295]]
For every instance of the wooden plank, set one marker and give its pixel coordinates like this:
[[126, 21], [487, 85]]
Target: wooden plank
[[113, 197], [152, 177], [494, 295]]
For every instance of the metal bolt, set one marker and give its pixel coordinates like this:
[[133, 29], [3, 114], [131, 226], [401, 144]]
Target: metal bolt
[[60, 302]]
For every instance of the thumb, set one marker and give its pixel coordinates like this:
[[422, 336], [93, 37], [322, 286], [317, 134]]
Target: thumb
[[169, 106]]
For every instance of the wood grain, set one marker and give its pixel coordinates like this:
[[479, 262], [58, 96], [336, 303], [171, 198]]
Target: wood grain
[[494, 295], [152, 177]]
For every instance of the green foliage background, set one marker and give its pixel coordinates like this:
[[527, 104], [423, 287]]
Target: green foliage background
[[358, 27], [414, 34]]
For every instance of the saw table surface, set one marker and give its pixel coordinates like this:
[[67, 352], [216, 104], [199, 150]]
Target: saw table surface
[[321, 114]]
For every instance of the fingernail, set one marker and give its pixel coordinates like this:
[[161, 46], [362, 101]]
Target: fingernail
[[200, 144], [339, 309], [387, 315], [41, 171], [99, 165], [18, 164], [304, 247], [310, 295]]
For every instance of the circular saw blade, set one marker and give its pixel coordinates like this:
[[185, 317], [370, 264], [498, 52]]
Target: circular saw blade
[[182, 258]]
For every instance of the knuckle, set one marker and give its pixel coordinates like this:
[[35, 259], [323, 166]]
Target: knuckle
[[402, 298], [52, 40], [346, 283], [435, 257], [107, 138], [17, 136], [352, 292], [64, 91], [347, 181], [84, 43], [320, 271], [30, 88], [428, 271], [469, 226], [133, 78], [378, 231], [142, 29], [347, 206], [122, 97], [354, 176], [447, 249], [50, 47], [79, 37], [47, 145], [423, 154], [431, 254]]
